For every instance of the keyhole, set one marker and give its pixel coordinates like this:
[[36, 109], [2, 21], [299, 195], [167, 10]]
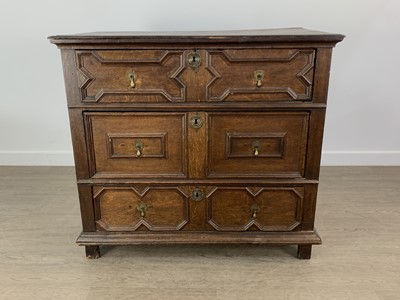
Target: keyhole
[[197, 195], [195, 121], [193, 59]]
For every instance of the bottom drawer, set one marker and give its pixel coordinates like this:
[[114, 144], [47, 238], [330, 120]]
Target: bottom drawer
[[255, 208], [140, 208], [210, 208]]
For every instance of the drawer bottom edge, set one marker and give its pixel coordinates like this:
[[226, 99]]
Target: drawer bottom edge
[[273, 238]]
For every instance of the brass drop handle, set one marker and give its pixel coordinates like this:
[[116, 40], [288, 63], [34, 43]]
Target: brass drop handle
[[142, 208], [254, 209], [139, 148], [132, 80], [256, 152], [255, 145], [259, 76]]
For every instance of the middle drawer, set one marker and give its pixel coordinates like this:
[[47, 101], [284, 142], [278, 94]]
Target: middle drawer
[[215, 144], [136, 145]]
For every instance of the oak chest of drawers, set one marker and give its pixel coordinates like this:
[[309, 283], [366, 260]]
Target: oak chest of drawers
[[197, 137]]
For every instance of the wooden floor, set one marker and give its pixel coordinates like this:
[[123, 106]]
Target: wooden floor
[[358, 218]]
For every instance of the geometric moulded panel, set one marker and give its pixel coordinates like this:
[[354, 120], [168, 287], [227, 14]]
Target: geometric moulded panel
[[287, 74], [152, 208], [106, 76], [265, 209]]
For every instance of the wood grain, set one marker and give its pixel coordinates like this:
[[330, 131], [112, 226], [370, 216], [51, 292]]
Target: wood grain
[[283, 161], [122, 137], [162, 136], [228, 36]]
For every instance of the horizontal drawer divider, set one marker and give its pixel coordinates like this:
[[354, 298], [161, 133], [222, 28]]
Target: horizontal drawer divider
[[190, 106], [227, 182]]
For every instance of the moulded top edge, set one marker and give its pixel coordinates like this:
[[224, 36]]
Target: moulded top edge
[[234, 36]]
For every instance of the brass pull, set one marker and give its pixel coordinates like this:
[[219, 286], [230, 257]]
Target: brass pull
[[254, 209], [255, 145], [132, 80], [256, 152], [259, 76], [142, 208], [139, 148]]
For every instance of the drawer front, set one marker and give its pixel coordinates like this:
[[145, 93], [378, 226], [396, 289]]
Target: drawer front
[[260, 74], [136, 145], [133, 76], [257, 144], [255, 208], [130, 76], [135, 208]]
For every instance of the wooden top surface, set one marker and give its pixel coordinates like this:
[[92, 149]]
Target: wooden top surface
[[232, 36]]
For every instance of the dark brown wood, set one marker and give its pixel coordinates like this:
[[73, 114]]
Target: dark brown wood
[[198, 237], [87, 207], [105, 76], [70, 77], [197, 147], [254, 208], [79, 144], [309, 207], [113, 138], [141, 208], [314, 146], [234, 36], [92, 252], [208, 181], [321, 77], [304, 251], [287, 75], [197, 137], [282, 139]]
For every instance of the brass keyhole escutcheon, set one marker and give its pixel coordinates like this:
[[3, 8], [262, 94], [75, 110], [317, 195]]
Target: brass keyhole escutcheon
[[193, 59], [197, 195], [196, 121], [259, 77]]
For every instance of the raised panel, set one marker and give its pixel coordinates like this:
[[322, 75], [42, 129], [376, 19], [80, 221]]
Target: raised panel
[[240, 177], [287, 74], [125, 145], [112, 139], [243, 145], [277, 208], [118, 209], [281, 139], [104, 76]]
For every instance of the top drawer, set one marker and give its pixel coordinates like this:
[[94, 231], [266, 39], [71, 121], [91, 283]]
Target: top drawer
[[230, 75], [260, 74], [131, 76]]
